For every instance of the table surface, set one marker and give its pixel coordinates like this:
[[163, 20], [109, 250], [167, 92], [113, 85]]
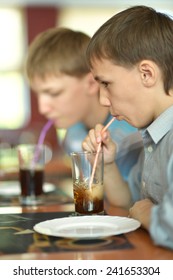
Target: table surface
[[139, 244], [142, 245]]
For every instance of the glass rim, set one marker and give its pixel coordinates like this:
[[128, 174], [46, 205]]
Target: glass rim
[[85, 153], [23, 146]]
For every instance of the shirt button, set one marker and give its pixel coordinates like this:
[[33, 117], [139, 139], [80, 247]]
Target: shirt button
[[150, 149], [143, 184]]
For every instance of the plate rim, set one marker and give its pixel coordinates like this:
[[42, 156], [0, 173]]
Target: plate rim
[[77, 219]]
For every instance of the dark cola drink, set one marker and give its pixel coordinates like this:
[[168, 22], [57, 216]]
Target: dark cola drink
[[31, 181], [88, 201]]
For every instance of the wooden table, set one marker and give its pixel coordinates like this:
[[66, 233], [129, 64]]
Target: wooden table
[[142, 245]]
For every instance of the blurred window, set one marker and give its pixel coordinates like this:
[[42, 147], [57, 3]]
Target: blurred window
[[14, 94]]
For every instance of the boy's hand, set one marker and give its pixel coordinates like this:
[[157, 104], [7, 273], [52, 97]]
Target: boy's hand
[[94, 137], [141, 211]]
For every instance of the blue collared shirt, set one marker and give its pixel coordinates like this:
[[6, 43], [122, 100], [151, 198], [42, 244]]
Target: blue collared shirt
[[152, 176]]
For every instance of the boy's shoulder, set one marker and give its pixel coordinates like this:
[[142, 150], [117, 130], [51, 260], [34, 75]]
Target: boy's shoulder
[[167, 142]]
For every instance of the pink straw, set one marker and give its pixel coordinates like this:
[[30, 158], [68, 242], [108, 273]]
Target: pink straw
[[44, 131], [97, 153], [41, 139]]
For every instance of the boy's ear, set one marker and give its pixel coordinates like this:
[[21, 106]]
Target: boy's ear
[[93, 86], [148, 72]]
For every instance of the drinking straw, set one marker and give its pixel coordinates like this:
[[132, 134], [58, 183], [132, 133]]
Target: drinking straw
[[44, 131], [97, 153], [41, 138]]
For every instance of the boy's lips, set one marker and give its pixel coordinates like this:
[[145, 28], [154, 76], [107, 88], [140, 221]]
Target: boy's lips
[[118, 117]]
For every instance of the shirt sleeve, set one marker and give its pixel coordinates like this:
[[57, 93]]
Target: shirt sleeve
[[161, 227], [134, 179], [74, 138], [129, 147]]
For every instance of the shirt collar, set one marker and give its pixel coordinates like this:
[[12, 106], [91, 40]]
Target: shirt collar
[[159, 127]]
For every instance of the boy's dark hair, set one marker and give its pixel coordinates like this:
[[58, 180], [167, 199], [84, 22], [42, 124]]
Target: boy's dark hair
[[135, 34]]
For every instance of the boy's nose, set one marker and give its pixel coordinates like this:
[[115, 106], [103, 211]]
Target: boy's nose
[[104, 101], [44, 105]]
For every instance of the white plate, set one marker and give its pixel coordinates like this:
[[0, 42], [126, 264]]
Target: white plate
[[87, 227], [12, 188]]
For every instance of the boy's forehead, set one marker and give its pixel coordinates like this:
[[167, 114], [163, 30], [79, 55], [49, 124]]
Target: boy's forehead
[[46, 76], [47, 80], [100, 67], [51, 81]]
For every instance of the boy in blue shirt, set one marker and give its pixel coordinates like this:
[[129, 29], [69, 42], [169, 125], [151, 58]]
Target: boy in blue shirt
[[131, 58]]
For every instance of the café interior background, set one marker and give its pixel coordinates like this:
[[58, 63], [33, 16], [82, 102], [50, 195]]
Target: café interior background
[[20, 22]]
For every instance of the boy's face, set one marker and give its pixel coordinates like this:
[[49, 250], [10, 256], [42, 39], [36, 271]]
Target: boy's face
[[122, 90], [62, 98]]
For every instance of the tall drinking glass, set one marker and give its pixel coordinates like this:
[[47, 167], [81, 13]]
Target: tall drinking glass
[[88, 198], [31, 173]]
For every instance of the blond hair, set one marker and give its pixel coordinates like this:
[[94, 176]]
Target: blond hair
[[58, 50]]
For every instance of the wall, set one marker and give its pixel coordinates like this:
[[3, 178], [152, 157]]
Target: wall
[[37, 20]]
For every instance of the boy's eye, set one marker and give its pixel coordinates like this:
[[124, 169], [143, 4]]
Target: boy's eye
[[105, 84], [55, 94]]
